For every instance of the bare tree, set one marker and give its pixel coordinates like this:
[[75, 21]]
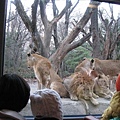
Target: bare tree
[[68, 43], [111, 34], [43, 44], [16, 38]]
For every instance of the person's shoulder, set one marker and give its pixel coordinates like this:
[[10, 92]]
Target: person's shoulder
[[10, 115]]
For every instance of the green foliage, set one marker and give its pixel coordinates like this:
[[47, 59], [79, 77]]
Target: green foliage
[[74, 57]]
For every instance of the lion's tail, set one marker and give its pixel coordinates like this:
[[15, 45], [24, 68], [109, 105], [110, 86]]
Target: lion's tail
[[86, 106]]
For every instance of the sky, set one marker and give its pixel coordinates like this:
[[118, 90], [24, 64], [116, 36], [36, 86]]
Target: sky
[[61, 4]]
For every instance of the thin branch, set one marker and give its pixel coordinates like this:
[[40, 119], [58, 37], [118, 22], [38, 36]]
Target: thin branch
[[73, 7], [79, 42], [114, 43], [56, 19], [55, 9], [43, 12], [80, 25], [23, 15]]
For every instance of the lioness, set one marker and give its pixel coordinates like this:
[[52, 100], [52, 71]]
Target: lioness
[[108, 67], [46, 76], [101, 87], [84, 64]]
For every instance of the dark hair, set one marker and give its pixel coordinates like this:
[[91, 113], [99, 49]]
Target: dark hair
[[14, 92]]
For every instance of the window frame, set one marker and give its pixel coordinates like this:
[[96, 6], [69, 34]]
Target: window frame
[[109, 1], [3, 13]]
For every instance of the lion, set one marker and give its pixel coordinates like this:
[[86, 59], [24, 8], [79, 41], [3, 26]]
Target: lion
[[108, 67], [45, 74], [80, 86], [83, 64], [101, 87]]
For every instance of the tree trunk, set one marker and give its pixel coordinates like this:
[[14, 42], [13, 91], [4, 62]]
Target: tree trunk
[[95, 35], [55, 13], [65, 47], [68, 42], [111, 37]]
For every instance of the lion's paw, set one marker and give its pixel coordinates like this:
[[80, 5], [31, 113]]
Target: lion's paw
[[73, 97], [107, 96], [94, 101], [95, 96]]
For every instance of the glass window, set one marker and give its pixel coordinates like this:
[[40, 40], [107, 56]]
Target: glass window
[[87, 34]]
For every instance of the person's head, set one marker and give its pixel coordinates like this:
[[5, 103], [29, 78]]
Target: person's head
[[46, 104], [14, 92]]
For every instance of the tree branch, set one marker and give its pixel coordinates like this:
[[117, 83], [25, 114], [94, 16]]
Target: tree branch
[[55, 9], [114, 43], [43, 12], [36, 40], [56, 19], [74, 7], [23, 14], [60, 53], [34, 12], [80, 25], [101, 17], [55, 13], [79, 42]]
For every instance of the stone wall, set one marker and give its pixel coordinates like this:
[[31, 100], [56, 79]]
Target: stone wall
[[71, 107], [74, 107]]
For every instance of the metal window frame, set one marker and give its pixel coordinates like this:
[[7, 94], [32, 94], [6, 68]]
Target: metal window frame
[[3, 13], [69, 117], [109, 1]]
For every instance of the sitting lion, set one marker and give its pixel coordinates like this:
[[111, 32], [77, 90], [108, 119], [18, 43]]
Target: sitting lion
[[46, 76]]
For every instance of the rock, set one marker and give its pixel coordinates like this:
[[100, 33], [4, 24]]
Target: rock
[[71, 107], [74, 107]]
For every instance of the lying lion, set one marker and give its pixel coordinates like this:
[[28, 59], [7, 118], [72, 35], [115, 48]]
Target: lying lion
[[105, 71], [80, 86], [88, 86], [101, 87]]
